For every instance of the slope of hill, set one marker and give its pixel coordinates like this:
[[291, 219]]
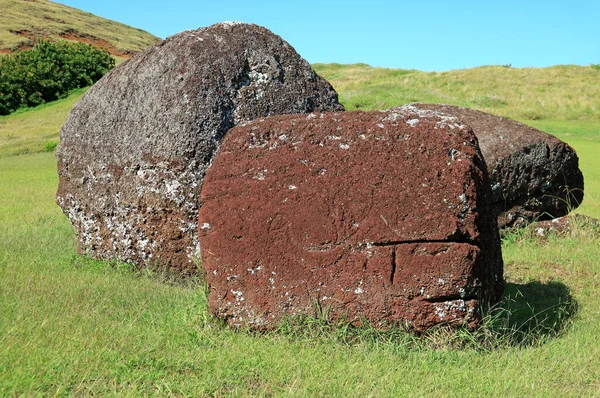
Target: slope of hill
[[563, 92], [24, 21]]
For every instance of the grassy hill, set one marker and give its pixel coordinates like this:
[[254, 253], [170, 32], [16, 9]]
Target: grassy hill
[[564, 92], [24, 21], [70, 325]]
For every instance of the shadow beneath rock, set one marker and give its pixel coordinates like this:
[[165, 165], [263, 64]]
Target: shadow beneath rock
[[531, 313]]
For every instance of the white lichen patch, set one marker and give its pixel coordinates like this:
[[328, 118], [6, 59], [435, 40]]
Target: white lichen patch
[[412, 112], [252, 271], [256, 141], [391, 117], [449, 308], [205, 227], [241, 312], [274, 145], [261, 175], [239, 296], [333, 137], [259, 77], [187, 226], [142, 244], [439, 311], [272, 279], [230, 23]]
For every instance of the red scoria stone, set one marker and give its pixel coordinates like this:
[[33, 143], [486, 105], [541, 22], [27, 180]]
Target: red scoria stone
[[381, 217]]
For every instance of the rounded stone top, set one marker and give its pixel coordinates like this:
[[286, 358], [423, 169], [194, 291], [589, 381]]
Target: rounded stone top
[[135, 148], [179, 96]]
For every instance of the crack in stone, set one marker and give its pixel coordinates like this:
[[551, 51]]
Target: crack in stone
[[417, 241], [443, 299], [393, 266]]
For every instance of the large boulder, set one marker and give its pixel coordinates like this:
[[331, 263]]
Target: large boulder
[[135, 148], [534, 175], [380, 216]]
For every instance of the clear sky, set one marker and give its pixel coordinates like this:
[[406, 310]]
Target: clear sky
[[427, 35]]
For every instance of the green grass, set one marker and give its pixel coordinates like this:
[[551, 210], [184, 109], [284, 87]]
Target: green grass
[[71, 325], [563, 92], [49, 19], [36, 129], [589, 163], [569, 130], [74, 326]]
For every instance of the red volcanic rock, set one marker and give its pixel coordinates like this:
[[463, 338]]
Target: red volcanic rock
[[383, 216], [534, 176]]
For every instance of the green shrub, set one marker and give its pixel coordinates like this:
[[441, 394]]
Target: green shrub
[[50, 146], [48, 71]]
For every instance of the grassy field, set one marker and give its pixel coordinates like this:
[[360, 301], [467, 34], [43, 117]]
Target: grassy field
[[35, 130], [75, 326], [43, 18]]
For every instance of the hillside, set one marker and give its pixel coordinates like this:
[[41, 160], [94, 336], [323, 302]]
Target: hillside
[[24, 21], [564, 92]]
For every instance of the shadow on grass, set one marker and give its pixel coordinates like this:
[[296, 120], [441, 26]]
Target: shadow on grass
[[532, 313], [529, 315]]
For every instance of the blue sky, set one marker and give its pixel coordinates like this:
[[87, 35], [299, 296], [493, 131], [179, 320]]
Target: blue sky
[[427, 35]]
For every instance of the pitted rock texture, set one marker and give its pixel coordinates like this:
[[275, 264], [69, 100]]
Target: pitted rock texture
[[135, 148], [534, 175], [383, 216]]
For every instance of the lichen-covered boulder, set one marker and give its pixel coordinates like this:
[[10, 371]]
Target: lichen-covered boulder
[[534, 176], [379, 216], [135, 148]]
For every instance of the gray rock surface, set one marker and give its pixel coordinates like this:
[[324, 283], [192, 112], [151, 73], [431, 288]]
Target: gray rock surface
[[534, 175], [135, 148]]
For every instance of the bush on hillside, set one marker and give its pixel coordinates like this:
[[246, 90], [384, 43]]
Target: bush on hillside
[[48, 71]]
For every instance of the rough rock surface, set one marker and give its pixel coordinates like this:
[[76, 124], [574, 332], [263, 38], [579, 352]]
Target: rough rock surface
[[383, 216], [534, 175], [135, 148]]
